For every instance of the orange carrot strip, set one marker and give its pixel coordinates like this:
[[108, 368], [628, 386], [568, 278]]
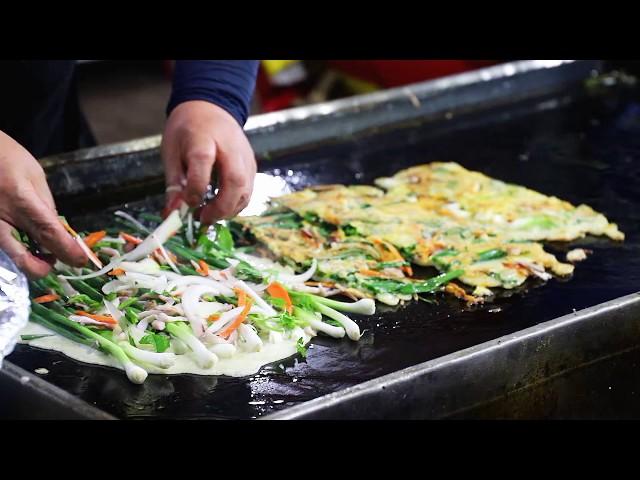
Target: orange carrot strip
[[68, 228], [213, 317], [408, 270], [116, 272], [94, 237], [370, 273], [276, 290], [47, 298], [97, 318], [236, 323], [204, 268], [242, 296], [130, 238]]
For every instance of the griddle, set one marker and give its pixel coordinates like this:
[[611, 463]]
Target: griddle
[[532, 124]]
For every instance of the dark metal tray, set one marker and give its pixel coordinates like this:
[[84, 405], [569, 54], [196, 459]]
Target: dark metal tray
[[534, 127]]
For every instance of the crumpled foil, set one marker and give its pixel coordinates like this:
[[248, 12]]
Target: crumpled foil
[[14, 305]]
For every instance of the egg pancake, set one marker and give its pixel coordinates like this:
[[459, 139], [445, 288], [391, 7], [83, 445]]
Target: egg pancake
[[438, 214]]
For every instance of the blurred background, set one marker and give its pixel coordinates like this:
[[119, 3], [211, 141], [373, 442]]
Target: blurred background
[[127, 100]]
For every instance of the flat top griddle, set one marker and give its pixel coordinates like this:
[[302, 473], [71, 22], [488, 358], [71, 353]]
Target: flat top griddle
[[580, 149]]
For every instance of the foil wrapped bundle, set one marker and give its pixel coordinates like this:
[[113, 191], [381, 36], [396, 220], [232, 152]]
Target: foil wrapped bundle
[[14, 305]]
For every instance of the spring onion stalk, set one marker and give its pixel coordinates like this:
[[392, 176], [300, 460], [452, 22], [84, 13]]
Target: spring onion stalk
[[160, 360], [87, 290], [492, 254], [365, 306], [134, 372], [317, 324], [204, 358], [350, 327], [26, 338], [249, 339], [54, 327], [223, 350]]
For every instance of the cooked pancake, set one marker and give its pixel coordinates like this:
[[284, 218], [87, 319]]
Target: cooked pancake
[[440, 215]]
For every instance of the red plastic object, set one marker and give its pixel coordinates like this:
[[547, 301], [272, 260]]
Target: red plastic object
[[393, 73], [382, 73]]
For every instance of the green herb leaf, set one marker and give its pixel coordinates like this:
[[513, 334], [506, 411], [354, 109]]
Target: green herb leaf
[[159, 341], [286, 321], [276, 302], [301, 348], [84, 300], [224, 238], [303, 300], [131, 315], [492, 254], [350, 230]]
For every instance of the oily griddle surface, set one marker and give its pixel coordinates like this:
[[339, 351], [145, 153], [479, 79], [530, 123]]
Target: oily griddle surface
[[587, 152]]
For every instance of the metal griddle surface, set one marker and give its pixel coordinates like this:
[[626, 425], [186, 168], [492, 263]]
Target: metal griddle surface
[[584, 152]]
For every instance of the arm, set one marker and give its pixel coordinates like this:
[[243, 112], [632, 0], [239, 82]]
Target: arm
[[208, 106]]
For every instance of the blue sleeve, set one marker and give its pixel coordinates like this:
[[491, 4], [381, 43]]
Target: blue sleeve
[[226, 83]]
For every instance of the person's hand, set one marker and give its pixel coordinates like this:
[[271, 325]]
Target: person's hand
[[26, 203], [198, 137]]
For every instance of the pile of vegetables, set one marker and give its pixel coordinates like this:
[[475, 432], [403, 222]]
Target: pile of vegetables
[[183, 290]]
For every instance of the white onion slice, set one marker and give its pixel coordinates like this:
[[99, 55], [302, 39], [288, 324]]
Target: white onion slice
[[147, 266], [301, 278], [68, 290], [190, 300], [128, 217], [197, 280]]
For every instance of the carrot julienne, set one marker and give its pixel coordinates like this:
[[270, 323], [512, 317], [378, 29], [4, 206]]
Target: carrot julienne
[[276, 290], [130, 238], [204, 268], [238, 321], [47, 298], [97, 318], [94, 237]]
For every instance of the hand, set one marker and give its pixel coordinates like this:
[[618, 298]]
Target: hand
[[26, 203], [198, 136]]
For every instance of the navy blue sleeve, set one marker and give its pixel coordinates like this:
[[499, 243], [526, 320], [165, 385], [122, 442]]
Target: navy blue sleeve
[[226, 83]]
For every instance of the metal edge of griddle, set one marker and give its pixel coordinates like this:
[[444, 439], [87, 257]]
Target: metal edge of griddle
[[136, 161], [31, 397], [475, 376]]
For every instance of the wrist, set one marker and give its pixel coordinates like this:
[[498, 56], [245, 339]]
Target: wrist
[[194, 111]]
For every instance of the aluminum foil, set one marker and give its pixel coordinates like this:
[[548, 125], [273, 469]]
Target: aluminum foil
[[14, 305]]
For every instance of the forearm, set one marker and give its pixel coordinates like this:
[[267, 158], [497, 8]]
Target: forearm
[[226, 83]]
